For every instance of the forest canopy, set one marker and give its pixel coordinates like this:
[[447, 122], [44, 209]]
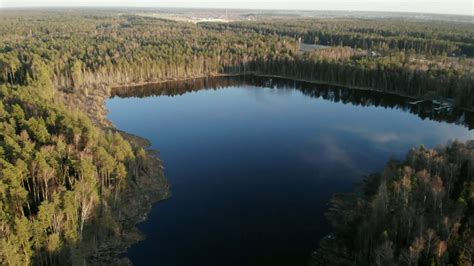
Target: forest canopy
[[63, 169], [415, 212]]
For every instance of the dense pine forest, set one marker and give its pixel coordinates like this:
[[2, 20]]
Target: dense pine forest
[[67, 176], [434, 37]]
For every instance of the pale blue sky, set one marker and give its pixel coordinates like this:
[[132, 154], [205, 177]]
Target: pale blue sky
[[464, 7]]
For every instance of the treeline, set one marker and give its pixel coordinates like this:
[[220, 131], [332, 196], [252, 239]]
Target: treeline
[[109, 49], [399, 73], [125, 49], [426, 37], [61, 174], [416, 212]]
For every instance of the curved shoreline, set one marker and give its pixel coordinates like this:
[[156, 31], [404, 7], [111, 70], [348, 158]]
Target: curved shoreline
[[152, 193]]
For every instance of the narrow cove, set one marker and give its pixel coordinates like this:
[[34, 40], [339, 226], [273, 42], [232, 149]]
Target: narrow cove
[[253, 161]]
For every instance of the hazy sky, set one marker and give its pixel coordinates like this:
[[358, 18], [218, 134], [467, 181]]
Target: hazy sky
[[464, 7]]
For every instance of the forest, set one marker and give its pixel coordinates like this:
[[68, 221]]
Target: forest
[[415, 212], [433, 38], [65, 174]]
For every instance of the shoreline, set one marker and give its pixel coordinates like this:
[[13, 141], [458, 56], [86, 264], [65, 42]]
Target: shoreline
[[165, 192], [257, 74], [143, 83]]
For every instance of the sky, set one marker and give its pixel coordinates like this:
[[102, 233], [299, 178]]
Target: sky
[[459, 7]]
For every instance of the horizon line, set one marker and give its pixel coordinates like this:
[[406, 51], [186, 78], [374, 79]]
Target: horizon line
[[235, 8]]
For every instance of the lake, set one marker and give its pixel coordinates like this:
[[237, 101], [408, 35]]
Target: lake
[[253, 161]]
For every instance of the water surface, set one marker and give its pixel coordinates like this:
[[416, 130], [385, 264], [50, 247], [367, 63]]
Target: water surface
[[253, 162]]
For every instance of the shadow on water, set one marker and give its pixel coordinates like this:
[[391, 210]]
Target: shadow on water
[[424, 109]]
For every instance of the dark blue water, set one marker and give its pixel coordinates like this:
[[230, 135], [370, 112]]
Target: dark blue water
[[252, 168]]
